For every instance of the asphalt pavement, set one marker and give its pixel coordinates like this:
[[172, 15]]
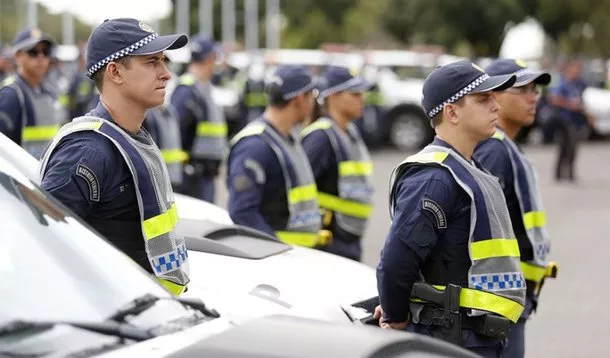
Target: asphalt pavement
[[572, 319]]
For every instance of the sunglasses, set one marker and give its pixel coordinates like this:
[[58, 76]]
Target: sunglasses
[[33, 53]]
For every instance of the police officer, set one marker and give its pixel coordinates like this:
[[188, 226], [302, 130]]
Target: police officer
[[502, 158], [450, 225], [271, 186], [106, 168], [202, 122], [253, 98], [572, 118], [30, 112], [373, 115], [341, 162], [164, 127], [5, 62], [82, 95]]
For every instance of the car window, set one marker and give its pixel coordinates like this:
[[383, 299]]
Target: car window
[[53, 267]]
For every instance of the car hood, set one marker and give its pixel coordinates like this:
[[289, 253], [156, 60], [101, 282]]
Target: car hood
[[301, 282]]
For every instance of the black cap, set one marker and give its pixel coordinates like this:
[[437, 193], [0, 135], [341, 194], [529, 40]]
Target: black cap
[[117, 38], [202, 47], [447, 84], [518, 68]]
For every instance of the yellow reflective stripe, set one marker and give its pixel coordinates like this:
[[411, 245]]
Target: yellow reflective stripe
[[174, 288], [255, 99], [373, 98], [87, 125], [534, 219], [306, 239], [347, 207], [187, 80], [250, 130], [39, 133], [494, 248], [161, 224], [174, 155], [315, 126], [209, 129], [64, 100], [302, 193], [353, 168], [533, 272], [432, 157], [487, 301], [498, 135]]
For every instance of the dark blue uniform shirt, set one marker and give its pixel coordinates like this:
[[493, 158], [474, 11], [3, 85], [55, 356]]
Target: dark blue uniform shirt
[[254, 178], [415, 236], [570, 90], [11, 115], [493, 156], [187, 105], [323, 160]]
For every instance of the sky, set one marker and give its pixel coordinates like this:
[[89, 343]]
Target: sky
[[93, 12]]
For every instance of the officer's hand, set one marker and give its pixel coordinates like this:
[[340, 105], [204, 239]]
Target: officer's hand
[[388, 325]]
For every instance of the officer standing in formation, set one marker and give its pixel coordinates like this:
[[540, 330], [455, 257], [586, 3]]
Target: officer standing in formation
[[163, 124], [202, 122], [341, 162], [271, 185], [450, 224], [30, 113], [502, 158], [106, 168]]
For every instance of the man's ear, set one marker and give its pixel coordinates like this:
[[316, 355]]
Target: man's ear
[[114, 73], [450, 113]]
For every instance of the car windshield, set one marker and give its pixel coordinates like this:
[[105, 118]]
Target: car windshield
[[53, 267]]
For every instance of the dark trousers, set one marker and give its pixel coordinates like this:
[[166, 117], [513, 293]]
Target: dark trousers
[[569, 137]]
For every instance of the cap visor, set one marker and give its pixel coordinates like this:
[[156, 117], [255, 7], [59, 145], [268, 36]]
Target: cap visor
[[539, 78], [361, 85], [162, 43], [30, 44], [496, 83]]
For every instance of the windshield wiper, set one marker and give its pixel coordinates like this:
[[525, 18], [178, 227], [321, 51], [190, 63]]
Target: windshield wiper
[[107, 328], [148, 300]]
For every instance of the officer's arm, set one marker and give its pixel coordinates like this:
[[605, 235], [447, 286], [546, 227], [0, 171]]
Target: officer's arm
[[413, 235], [183, 101], [246, 179], [494, 157], [75, 175], [319, 152], [10, 114]]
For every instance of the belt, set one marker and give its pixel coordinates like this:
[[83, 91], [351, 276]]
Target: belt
[[488, 325]]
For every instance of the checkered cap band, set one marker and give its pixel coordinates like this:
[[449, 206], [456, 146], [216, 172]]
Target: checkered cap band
[[120, 54], [464, 91]]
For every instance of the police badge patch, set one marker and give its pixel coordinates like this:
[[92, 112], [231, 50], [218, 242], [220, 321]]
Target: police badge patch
[[91, 179], [145, 27]]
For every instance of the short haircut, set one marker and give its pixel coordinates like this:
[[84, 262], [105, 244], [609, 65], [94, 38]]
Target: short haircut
[[98, 77]]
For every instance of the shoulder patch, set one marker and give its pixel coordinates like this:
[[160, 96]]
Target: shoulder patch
[[91, 180], [257, 169], [435, 209], [241, 183]]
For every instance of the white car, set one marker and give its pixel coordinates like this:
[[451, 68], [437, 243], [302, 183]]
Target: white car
[[246, 274], [67, 292]]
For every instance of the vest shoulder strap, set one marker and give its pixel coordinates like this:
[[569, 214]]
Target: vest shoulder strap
[[320, 124], [187, 80], [250, 130]]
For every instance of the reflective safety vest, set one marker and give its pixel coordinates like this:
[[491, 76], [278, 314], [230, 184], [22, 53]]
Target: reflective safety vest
[[303, 225], [255, 99], [211, 133], [532, 211], [169, 141], [495, 280], [48, 114], [166, 250], [353, 206]]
